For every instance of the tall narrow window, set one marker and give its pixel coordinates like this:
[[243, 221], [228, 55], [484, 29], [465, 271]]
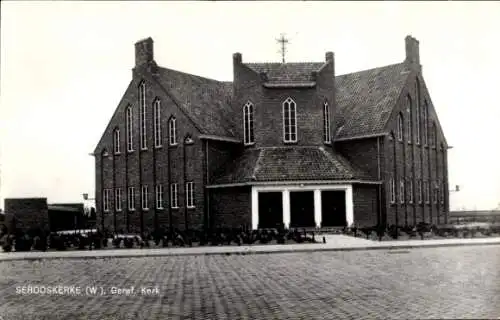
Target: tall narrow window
[[402, 191], [173, 196], [443, 189], [144, 197], [410, 190], [434, 135], [400, 127], [159, 196], [326, 123], [392, 190], [130, 146], [417, 110], [190, 195], [435, 188], [419, 191], [248, 133], [118, 199], [427, 192], [131, 198], [142, 104], [106, 200], [157, 122], [172, 131], [116, 141], [409, 127], [289, 120], [425, 122]]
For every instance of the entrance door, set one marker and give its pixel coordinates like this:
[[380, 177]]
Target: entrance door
[[302, 209], [270, 210], [333, 209]]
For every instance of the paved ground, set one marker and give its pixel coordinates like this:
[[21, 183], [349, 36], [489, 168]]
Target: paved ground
[[452, 282], [333, 243]]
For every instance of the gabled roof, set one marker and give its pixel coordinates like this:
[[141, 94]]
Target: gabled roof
[[288, 164], [207, 102], [365, 99], [287, 73]]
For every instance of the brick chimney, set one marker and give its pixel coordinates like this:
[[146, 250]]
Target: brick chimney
[[412, 53], [144, 52]]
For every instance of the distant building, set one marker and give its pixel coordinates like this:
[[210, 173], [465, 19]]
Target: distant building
[[27, 213], [289, 144]]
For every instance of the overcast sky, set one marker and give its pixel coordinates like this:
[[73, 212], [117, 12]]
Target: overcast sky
[[65, 66]]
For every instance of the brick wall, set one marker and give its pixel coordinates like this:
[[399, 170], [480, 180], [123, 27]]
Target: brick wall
[[268, 106], [26, 213], [412, 161], [365, 205], [230, 207], [156, 165]]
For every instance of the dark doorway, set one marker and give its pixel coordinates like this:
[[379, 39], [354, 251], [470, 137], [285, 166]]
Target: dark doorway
[[270, 210], [302, 209], [333, 209]]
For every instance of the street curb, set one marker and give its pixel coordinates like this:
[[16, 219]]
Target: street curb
[[251, 252]]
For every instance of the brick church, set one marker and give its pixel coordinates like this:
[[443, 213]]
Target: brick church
[[283, 144]]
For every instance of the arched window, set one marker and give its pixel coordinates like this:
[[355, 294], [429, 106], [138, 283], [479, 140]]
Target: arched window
[[434, 135], [130, 145], [326, 123], [248, 134], [116, 141], [157, 122], [289, 120], [425, 121], [417, 110], [400, 127], [142, 104], [172, 131], [409, 127]]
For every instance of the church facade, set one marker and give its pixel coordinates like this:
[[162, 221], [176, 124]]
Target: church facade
[[283, 144]]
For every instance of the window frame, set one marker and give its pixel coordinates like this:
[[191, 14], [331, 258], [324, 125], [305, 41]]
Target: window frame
[[172, 131], [159, 197], [116, 141], [409, 190], [145, 197], [190, 195], [400, 127], [402, 194], [129, 129], [106, 201], [131, 198], [327, 134], [248, 124], [419, 191], [289, 106], [392, 190], [417, 110], [174, 196], [143, 116], [409, 125], [118, 199], [157, 123]]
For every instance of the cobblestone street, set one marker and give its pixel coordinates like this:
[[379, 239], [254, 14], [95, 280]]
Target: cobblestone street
[[457, 282]]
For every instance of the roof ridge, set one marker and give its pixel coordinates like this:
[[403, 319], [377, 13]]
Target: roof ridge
[[371, 69], [193, 75]]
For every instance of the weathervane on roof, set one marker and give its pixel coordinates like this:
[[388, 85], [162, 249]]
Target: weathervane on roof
[[283, 42]]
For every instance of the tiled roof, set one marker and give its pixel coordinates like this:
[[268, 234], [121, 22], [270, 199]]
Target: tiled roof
[[365, 99], [300, 72], [207, 102], [288, 164]]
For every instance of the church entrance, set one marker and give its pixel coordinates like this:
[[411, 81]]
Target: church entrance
[[270, 209], [333, 209], [302, 209]]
